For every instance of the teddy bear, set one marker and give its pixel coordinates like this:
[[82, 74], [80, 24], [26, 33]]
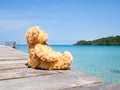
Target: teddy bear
[[41, 55]]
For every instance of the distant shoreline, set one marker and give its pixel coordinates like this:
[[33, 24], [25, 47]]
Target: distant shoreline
[[107, 41]]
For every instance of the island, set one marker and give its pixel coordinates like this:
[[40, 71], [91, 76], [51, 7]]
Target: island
[[108, 41]]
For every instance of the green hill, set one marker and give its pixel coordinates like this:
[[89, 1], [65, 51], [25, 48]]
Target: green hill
[[109, 41]]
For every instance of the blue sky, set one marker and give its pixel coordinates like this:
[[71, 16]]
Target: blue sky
[[66, 21]]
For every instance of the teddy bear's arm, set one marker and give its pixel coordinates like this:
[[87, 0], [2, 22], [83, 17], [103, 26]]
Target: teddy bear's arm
[[45, 53]]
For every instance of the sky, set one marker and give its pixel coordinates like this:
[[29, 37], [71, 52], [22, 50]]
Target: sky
[[65, 21]]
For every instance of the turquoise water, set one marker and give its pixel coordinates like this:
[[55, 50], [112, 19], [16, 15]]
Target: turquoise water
[[100, 61]]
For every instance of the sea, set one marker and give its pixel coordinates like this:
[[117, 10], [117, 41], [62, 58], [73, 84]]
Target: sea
[[100, 61]]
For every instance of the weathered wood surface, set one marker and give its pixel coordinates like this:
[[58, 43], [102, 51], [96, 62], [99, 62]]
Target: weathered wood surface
[[50, 81], [109, 86], [15, 75], [4, 65], [7, 53]]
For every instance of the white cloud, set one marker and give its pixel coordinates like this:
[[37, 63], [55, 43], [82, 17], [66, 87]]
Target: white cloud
[[14, 20], [21, 19], [14, 24]]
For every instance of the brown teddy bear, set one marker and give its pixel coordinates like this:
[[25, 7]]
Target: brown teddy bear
[[43, 56]]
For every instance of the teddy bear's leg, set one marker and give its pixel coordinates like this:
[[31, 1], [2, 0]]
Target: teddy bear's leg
[[66, 61], [68, 56], [34, 63], [52, 59], [31, 62]]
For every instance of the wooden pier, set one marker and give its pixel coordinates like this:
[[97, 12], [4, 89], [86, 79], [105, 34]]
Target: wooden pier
[[15, 75]]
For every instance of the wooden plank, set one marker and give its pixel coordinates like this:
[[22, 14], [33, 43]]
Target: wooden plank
[[7, 53], [11, 54], [109, 86], [15, 74], [50, 82], [6, 48], [13, 58], [13, 51], [24, 72], [12, 64]]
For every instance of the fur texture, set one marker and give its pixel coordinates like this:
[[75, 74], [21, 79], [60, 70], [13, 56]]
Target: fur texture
[[43, 56]]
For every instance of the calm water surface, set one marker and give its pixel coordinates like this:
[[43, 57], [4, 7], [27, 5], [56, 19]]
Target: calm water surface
[[100, 61]]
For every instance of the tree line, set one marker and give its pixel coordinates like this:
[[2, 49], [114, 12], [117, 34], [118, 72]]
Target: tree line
[[109, 41]]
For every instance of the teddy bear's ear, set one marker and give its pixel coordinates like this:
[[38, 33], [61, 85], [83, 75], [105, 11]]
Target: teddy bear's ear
[[34, 28]]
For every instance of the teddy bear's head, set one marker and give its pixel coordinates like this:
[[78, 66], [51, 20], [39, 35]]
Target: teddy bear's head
[[34, 36]]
